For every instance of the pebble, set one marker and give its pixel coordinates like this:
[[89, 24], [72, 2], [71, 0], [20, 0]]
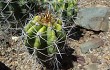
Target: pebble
[[107, 57], [93, 58]]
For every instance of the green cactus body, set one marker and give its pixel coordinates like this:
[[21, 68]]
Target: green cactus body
[[37, 43], [60, 32], [28, 26], [29, 42], [59, 21], [36, 19], [45, 36], [34, 23], [38, 40], [51, 38], [32, 31]]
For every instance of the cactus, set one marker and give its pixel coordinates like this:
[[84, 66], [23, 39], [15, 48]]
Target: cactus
[[18, 10], [44, 32]]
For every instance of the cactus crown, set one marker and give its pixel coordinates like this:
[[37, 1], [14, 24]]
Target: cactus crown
[[47, 19]]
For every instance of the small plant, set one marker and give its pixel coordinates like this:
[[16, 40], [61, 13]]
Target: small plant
[[46, 35]]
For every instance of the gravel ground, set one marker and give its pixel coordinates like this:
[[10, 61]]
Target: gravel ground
[[93, 3], [15, 56]]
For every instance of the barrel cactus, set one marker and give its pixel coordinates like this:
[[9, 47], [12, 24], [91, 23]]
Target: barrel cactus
[[45, 34]]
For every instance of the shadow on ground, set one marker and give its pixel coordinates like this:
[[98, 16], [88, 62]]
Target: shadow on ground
[[3, 66], [64, 63], [75, 32]]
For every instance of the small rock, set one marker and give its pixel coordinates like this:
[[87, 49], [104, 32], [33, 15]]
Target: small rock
[[81, 60], [15, 38], [107, 57], [2, 53], [94, 18], [91, 44], [94, 59], [92, 67], [2, 34]]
